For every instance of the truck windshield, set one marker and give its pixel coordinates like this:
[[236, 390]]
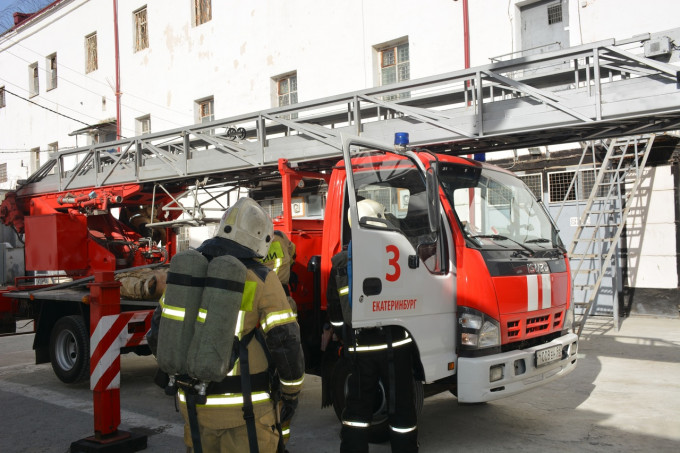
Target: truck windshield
[[497, 210]]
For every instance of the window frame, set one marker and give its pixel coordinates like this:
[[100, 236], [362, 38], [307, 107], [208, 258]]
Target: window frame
[[396, 62], [199, 104], [140, 122], [141, 30], [554, 12], [91, 50], [201, 12], [33, 80], [51, 68]]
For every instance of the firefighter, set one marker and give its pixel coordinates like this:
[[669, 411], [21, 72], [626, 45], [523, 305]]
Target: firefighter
[[280, 259], [245, 232], [377, 353]]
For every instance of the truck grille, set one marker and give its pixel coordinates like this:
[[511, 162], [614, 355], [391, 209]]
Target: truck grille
[[517, 329]]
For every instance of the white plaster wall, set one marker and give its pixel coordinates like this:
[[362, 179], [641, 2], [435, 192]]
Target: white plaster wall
[[620, 19], [234, 57], [651, 232]]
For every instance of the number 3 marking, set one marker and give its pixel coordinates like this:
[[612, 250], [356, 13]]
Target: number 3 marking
[[394, 262]]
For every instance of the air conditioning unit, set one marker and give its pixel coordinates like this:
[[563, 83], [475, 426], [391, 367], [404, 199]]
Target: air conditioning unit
[[658, 46]]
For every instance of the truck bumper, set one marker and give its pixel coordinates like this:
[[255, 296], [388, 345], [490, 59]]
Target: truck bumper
[[515, 371]]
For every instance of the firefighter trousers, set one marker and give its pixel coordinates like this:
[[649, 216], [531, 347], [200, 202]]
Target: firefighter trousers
[[368, 368], [223, 430]]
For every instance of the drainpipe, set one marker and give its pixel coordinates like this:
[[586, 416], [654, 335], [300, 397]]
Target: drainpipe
[[466, 33], [117, 56]]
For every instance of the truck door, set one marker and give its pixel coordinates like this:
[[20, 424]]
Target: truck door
[[401, 274]]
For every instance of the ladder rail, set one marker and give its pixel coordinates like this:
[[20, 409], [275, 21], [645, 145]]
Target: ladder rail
[[618, 179], [460, 111]]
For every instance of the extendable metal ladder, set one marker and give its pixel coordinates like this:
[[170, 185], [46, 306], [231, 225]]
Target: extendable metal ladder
[[593, 250]]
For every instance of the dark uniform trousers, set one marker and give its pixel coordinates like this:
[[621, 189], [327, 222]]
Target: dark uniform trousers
[[370, 360]]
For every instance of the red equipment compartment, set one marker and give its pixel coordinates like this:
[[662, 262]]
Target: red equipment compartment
[[55, 242], [306, 235]]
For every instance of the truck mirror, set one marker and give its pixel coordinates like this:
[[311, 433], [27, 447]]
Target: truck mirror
[[432, 185]]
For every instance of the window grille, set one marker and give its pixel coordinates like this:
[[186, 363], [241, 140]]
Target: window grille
[[202, 11], [2, 97], [141, 31], [554, 14], [91, 53], [558, 184], [534, 183], [3, 172]]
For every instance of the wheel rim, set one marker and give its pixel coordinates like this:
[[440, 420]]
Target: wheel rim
[[66, 350]]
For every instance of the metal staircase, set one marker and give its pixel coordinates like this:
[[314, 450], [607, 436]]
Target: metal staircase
[[593, 250]]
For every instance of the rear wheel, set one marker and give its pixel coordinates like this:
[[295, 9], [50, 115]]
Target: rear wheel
[[379, 429], [69, 349]]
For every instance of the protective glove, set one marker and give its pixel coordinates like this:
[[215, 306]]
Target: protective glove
[[289, 404]]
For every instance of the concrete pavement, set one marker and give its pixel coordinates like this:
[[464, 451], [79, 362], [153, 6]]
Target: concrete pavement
[[624, 396]]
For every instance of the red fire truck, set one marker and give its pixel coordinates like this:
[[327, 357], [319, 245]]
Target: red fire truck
[[468, 261]]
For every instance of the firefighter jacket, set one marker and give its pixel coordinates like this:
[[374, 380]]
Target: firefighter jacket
[[264, 307], [280, 257], [270, 310]]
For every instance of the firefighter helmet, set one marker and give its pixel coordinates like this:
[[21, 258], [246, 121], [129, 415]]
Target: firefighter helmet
[[369, 208], [246, 223]]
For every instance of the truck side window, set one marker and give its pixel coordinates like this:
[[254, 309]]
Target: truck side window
[[399, 187]]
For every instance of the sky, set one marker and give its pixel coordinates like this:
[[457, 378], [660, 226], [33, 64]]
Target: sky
[[8, 7]]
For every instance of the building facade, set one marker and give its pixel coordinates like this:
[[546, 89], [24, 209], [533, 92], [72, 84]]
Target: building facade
[[81, 71]]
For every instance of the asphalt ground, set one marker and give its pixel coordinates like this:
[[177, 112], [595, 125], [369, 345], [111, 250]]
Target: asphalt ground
[[624, 396]]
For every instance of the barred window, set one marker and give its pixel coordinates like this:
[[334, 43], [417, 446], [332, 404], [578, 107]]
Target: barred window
[[141, 31], [558, 185], [202, 11], [3, 172], [559, 182], [534, 183], [91, 63], [554, 14]]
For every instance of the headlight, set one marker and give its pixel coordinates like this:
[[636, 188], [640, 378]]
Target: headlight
[[489, 335], [477, 330]]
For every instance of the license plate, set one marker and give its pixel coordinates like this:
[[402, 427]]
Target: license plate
[[548, 355]]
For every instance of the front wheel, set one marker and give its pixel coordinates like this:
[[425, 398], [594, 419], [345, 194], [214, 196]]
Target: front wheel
[[69, 349], [379, 429]]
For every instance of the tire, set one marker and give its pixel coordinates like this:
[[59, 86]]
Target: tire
[[379, 430], [70, 350]]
